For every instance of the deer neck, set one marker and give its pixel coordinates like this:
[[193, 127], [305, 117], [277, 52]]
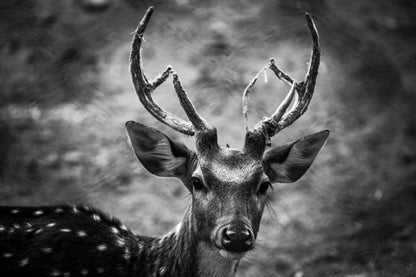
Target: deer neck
[[181, 253]]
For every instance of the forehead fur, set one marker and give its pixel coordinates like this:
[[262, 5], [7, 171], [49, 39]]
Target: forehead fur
[[231, 165]]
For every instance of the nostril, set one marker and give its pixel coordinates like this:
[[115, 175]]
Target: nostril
[[249, 237], [226, 235], [233, 235], [246, 234], [237, 240], [230, 234]]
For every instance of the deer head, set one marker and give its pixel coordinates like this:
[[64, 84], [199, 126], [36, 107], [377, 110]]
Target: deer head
[[228, 186]]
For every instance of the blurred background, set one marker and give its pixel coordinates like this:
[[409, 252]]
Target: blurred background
[[66, 93]]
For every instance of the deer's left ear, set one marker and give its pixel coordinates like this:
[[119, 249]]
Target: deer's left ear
[[159, 154], [287, 163]]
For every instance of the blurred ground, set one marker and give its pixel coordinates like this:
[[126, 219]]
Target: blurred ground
[[66, 93]]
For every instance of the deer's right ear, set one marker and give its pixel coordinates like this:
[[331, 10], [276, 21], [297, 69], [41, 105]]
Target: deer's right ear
[[159, 155]]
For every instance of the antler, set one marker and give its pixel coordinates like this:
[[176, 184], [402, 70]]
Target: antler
[[282, 118], [144, 88]]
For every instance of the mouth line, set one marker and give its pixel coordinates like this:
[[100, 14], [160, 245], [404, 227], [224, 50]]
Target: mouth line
[[232, 255]]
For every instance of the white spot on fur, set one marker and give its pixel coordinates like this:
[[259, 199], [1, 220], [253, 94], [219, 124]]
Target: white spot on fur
[[2, 228], [14, 211], [101, 247], [81, 234], [96, 217], [75, 210], [126, 254], [51, 224], [84, 272], [24, 262], [38, 212], [7, 255], [140, 246], [123, 227], [38, 231], [65, 230], [58, 210], [46, 250], [16, 226], [55, 273], [120, 242], [114, 230], [162, 270]]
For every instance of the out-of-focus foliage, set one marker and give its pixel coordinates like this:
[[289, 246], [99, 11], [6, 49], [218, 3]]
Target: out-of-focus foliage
[[66, 93]]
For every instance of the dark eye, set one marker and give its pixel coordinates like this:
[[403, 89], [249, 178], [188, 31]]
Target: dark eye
[[264, 187], [197, 183]]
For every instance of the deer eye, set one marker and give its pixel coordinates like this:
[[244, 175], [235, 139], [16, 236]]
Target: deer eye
[[197, 183], [264, 187]]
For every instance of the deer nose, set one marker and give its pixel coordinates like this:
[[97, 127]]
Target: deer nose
[[236, 239]]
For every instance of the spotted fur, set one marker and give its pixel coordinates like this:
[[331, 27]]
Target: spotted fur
[[76, 244]]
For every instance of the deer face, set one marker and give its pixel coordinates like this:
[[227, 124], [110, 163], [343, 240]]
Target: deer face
[[229, 194], [228, 186]]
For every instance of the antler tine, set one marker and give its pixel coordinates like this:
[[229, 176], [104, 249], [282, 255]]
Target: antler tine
[[302, 92], [307, 89], [144, 88], [199, 123], [246, 95]]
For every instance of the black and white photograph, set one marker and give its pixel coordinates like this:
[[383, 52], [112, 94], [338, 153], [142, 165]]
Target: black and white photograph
[[192, 138]]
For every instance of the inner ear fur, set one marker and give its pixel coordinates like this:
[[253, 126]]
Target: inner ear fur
[[159, 154], [287, 163]]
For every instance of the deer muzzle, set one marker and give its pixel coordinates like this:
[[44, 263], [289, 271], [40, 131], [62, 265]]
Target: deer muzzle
[[234, 239]]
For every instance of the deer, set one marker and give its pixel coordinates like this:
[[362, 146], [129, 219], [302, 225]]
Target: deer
[[228, 189]]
